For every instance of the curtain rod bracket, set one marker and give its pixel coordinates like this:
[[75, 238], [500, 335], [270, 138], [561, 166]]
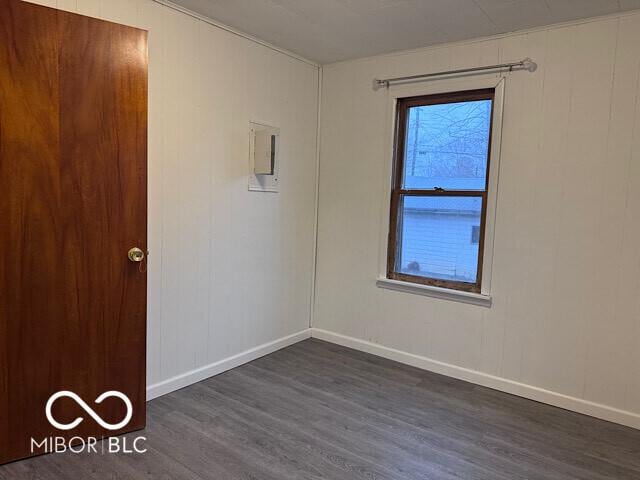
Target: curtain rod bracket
[[378, 84]]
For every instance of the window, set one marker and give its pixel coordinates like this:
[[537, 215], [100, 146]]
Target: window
[[439, 191]]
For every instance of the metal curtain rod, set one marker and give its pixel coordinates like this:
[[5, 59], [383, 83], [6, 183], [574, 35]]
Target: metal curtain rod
[[526, 64]]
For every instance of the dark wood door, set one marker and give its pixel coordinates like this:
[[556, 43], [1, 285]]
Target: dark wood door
[[73, 180]]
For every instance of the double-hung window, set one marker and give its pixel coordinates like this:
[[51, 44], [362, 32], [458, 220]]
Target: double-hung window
[[439, 191]]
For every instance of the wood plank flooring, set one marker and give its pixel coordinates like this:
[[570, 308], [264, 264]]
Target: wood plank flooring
[[320, 411]]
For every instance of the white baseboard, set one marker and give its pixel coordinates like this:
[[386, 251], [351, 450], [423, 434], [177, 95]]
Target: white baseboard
[[199, 374], [585, 407]]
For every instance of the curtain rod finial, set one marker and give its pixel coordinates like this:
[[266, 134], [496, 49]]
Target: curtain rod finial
[[529, 65]]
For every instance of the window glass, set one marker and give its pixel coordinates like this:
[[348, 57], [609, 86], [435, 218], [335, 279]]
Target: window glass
[[447, 146], [435, 240]]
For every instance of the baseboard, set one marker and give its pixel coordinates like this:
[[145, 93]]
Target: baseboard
[[199, 374], [585, 407]]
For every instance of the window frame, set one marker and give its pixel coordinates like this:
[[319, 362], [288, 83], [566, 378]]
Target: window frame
[[403, 104]]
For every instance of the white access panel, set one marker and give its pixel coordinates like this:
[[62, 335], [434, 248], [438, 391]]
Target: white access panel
[[264, 161]]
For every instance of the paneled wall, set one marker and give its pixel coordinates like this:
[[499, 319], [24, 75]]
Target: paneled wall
[[565, 320], [229, 269]]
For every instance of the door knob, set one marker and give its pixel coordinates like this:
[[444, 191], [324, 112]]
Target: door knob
[[135, 255]]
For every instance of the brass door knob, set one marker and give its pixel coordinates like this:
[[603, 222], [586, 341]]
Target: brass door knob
[[136, 255]]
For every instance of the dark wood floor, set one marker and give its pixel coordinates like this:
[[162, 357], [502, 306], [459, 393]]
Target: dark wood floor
[[317, 410]]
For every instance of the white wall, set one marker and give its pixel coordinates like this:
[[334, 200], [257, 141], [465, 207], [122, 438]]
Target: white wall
[[229, 269], [566, 268]]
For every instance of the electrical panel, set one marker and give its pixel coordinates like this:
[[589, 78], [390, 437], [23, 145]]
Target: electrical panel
[[263, 157]]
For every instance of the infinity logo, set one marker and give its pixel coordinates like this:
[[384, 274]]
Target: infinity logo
[[89, 410]]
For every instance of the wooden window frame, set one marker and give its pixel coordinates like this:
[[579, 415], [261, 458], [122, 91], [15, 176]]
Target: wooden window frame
[[398, 193]]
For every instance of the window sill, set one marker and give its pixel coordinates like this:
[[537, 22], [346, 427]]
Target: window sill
[[435, 292]]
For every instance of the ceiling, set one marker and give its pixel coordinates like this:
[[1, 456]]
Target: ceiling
[[327, 31]]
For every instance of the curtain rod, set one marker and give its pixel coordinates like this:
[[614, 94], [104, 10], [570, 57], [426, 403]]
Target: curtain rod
[[526, 64]]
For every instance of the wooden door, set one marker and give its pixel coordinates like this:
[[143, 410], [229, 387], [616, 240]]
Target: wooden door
[[73, 179]]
